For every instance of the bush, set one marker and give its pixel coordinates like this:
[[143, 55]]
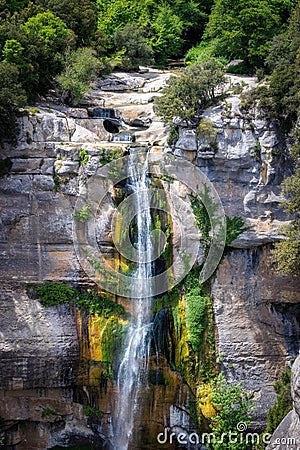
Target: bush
[[82, 67], [12, 96], [233, 406], [136, 50], [244, 29], [203, 52], [283, 403], [188, 95]]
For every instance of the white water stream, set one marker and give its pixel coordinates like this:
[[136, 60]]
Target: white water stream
[[133, 369]]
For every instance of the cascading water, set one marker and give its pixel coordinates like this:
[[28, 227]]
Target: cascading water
[[132, 373]]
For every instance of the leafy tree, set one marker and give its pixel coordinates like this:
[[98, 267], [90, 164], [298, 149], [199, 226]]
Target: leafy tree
[[82, 67], [233, 406], [46, 39], [188, 95], [79, 16], [13, 52], [12, 96], [167, 41], [244, 28], [171, 25], [16, 5], [136, 50]]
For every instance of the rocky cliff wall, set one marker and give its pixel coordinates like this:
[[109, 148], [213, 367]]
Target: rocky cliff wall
[[256, 311]]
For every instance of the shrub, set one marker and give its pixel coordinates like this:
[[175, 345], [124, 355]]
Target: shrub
[[136, 50], [233, 406], [283, 403], [234, 227], [82, 67], [203, 52], [12, 96], [83, 214], [188, 95]]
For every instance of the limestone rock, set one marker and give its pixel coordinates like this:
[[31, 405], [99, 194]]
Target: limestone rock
[[187, 140], [255, 314]]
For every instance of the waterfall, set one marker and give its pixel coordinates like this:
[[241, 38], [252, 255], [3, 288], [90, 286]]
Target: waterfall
[[133, 369]]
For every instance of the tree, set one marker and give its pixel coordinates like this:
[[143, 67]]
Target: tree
[[136, 50], [244, 28], [167, 30], [82, 67], [188, 95], [233, 407], [12, 96], [46, 39], [79, 16]]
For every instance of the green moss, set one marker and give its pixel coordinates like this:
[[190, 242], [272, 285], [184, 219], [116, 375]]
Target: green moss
[[54, 294], [195, 316]]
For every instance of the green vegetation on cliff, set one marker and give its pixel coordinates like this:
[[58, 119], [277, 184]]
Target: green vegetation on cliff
[[54, 294]]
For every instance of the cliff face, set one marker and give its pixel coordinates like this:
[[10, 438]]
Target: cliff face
[[51, 362]]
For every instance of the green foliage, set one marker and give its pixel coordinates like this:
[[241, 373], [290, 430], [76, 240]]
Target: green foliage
[[170, 25], [189, 94], [92, 411], [83, 214], [132, 42], [5, 166], [203, 52], [167, 41], [283, 403], [173, 134], [234, 227], [79, 16], [207, 134], [243, 29], [13, 52], [45, 40], [83, 156], [82, 67], [195, 316], [55, 294], [108, 155], [51, 293], [202, 221], [286, 253], [48, 412], [233, 406], [12, 96]]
